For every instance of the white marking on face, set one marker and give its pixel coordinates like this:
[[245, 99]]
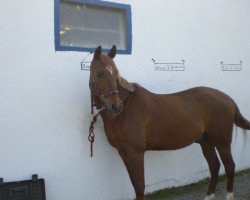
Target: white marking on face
[[109, 68]]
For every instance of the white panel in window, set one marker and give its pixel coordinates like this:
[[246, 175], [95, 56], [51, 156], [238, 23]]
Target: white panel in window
[[86, 25]]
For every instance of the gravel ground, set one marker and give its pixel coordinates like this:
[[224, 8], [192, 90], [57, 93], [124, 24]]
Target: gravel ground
[[198, 191]]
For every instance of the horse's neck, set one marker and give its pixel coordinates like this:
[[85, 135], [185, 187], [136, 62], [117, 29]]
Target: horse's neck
[[123, 93]]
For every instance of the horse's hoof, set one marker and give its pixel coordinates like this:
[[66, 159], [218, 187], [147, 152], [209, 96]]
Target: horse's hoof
[[210, 197], [230, 196]]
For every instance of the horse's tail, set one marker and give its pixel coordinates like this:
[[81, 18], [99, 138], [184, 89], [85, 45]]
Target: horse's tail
[[240, 121]]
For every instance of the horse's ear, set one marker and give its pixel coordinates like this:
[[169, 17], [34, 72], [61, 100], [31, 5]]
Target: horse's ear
[[125, 84], [112, 52], [98, 52]]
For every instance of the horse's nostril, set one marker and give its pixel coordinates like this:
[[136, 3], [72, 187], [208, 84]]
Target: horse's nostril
[[114, 108]]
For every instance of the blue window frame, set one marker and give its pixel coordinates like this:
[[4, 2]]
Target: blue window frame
[[82, 25]]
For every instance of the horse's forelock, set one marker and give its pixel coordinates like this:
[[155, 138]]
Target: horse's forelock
[[107, 61]]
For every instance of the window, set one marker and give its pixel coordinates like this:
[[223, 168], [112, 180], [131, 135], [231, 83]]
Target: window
[[82, 25]]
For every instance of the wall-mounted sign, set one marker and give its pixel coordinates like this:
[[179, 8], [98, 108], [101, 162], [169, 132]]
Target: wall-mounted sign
[[231, 67], [85, 65], [178, 66]]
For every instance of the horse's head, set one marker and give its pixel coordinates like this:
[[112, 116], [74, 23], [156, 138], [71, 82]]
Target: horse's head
[[105, 78]]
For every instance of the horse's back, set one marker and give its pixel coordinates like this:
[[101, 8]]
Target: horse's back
[[214, 103], [213, 106]]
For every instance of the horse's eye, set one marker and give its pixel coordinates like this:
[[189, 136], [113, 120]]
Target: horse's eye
[[100, 74]]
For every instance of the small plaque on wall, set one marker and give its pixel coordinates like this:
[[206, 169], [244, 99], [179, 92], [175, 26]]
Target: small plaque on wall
[[231, 66], [167, 66], [85, 64]]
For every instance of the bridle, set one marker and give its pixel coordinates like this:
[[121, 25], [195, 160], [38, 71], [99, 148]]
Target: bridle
[[108, 94], [103, 97]]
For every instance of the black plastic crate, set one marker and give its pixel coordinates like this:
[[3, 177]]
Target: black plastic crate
[[33, 189]]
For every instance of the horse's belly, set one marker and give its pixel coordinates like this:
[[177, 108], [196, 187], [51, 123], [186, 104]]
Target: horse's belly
[[173, 138]]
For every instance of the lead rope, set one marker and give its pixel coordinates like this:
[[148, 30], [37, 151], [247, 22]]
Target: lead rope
[[91, 136]]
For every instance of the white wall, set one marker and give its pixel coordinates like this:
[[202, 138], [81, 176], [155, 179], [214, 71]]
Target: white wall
[[45, 104]]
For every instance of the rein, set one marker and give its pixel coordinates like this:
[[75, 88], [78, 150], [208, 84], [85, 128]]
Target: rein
[[91, 136]]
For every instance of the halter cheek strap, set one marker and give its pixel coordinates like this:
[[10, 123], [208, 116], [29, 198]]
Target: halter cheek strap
[[92, 105]]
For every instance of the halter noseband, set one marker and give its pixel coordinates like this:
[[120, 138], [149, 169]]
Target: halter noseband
[[110, 93]]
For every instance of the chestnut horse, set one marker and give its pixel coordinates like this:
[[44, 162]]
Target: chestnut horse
[[133, 121]]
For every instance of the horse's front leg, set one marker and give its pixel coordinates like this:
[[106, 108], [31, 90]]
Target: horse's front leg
[[134, 162]]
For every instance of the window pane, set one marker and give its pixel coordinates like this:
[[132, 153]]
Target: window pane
[[86, 25]]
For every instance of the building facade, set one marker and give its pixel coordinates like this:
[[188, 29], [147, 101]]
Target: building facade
[[45, 98]]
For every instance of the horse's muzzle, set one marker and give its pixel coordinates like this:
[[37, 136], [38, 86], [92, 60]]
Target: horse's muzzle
[[114, 107]]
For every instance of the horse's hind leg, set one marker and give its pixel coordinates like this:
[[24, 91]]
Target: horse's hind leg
[[227, 159], [209, 153]]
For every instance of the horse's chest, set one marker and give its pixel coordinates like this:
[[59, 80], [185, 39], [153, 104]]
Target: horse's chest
[[111, 137]]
